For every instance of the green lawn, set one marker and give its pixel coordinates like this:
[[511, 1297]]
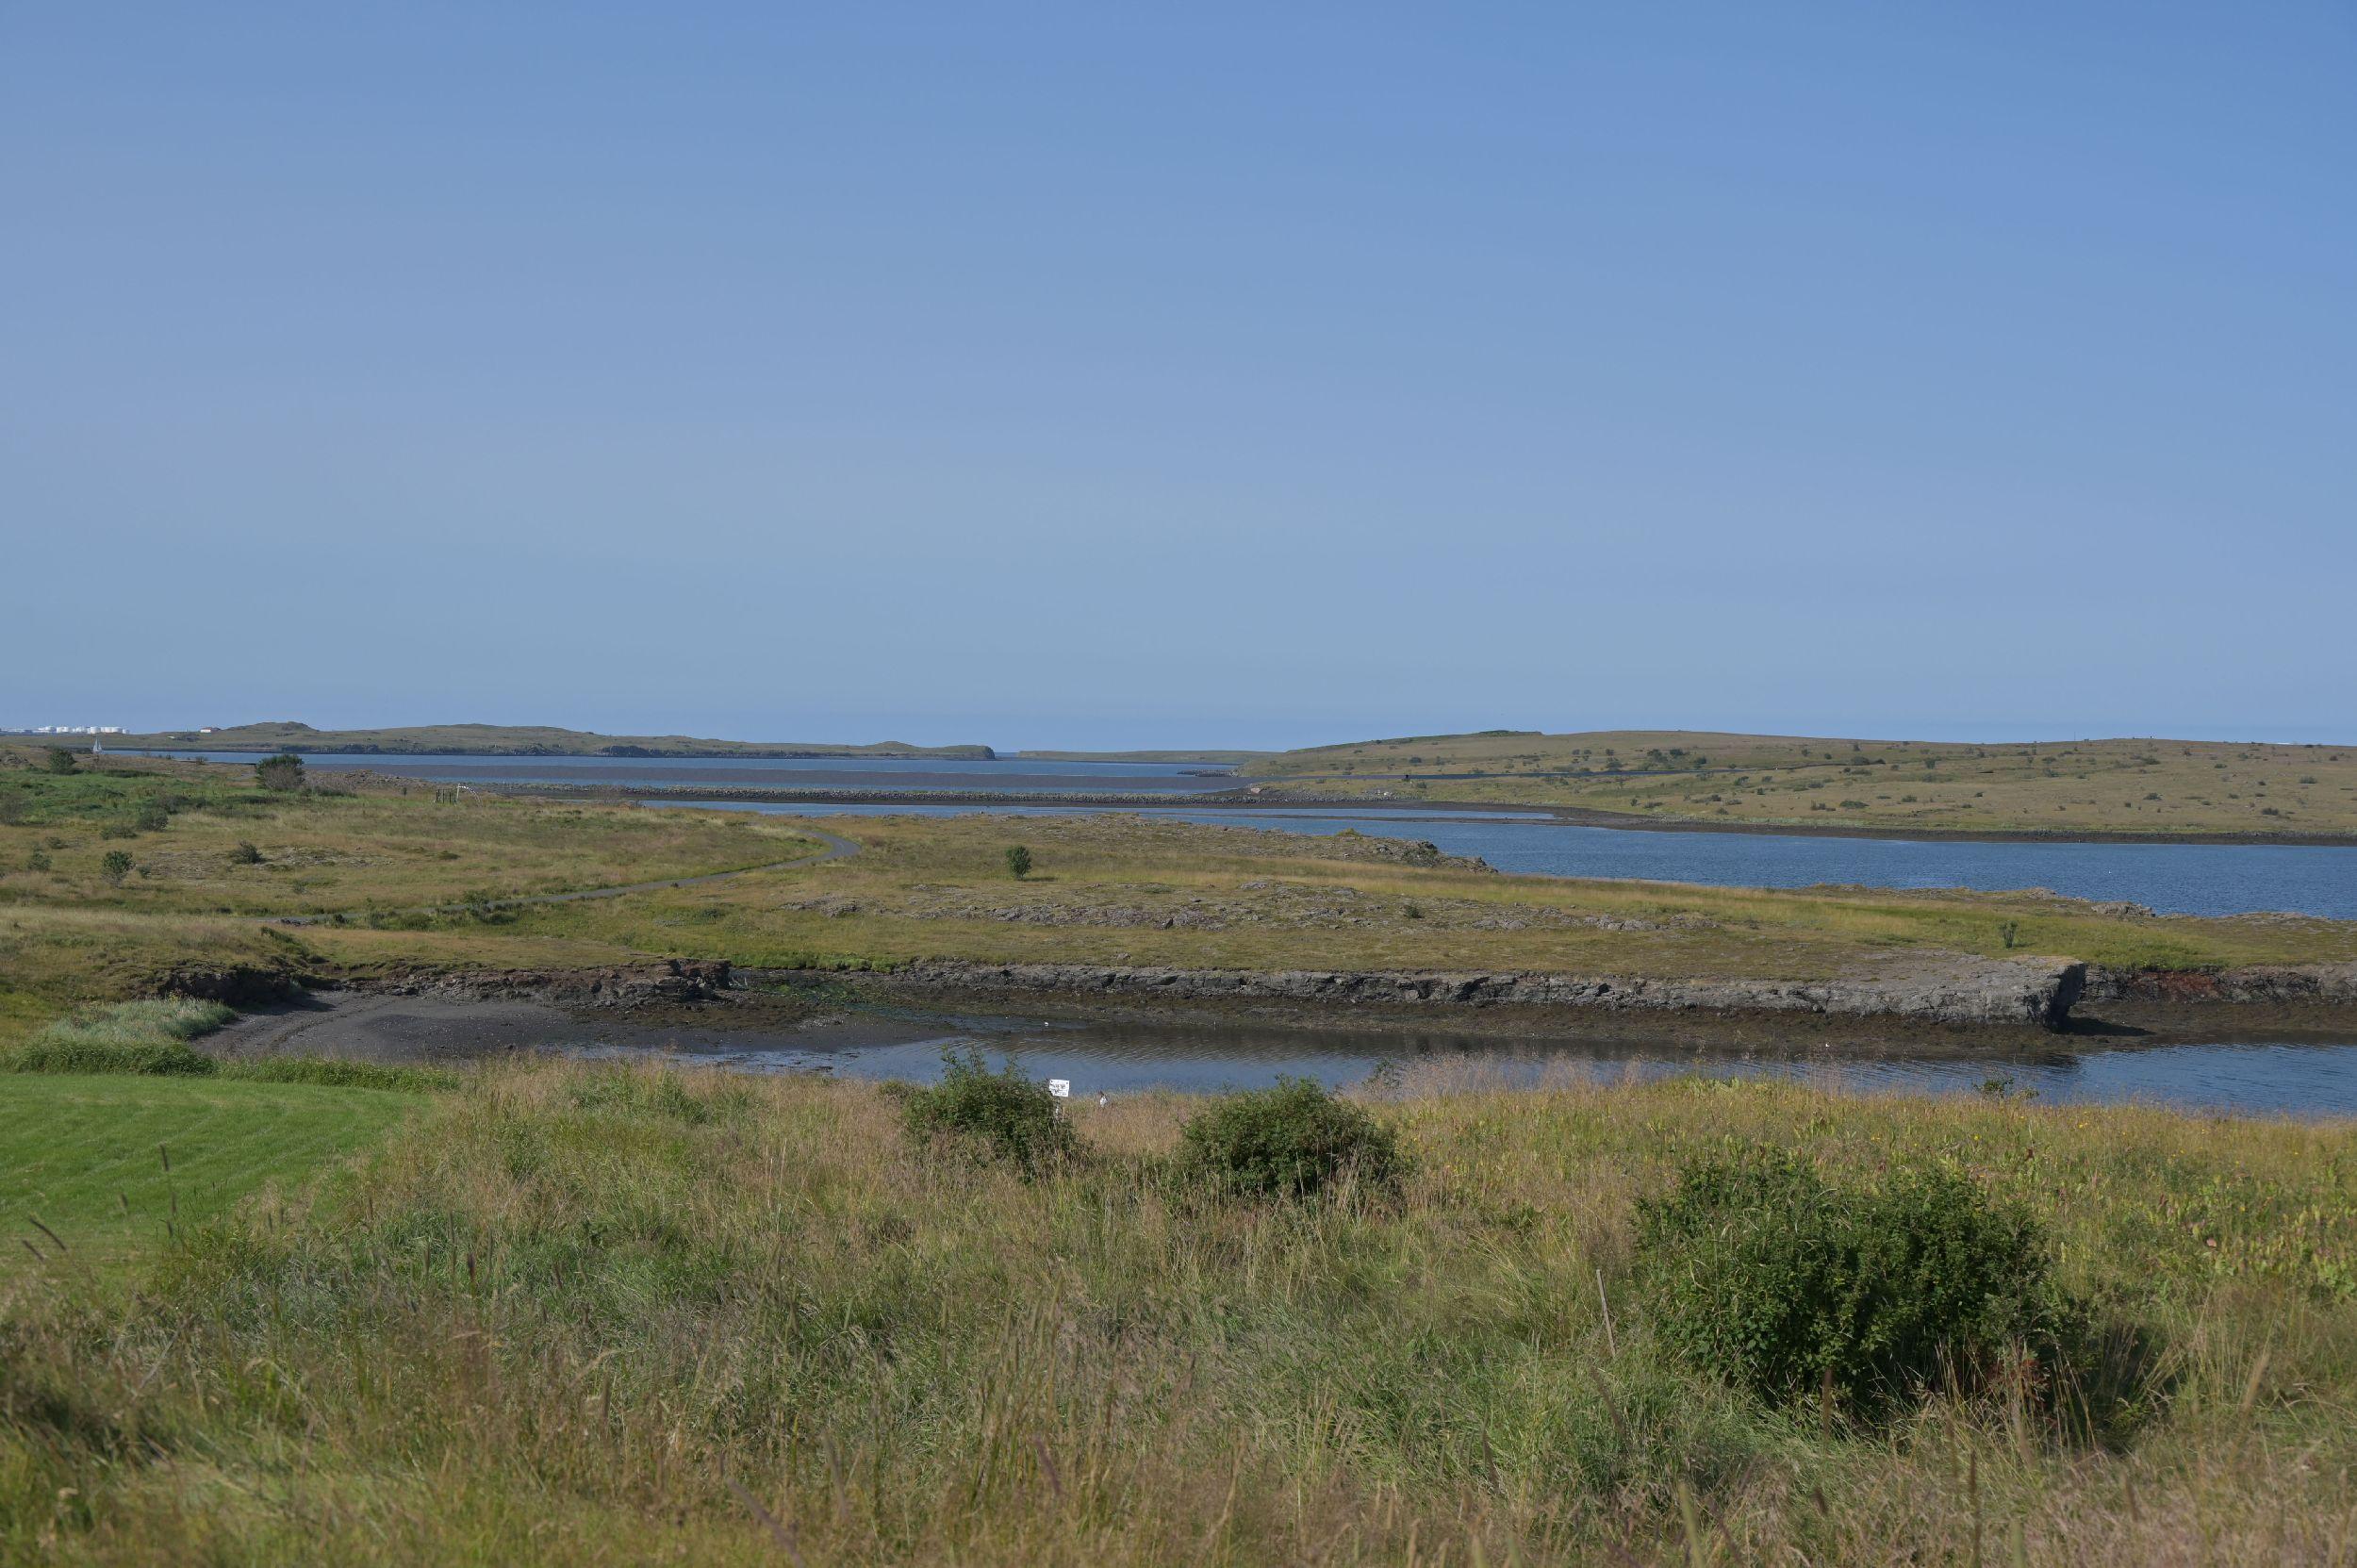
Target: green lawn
[[86, 1156]]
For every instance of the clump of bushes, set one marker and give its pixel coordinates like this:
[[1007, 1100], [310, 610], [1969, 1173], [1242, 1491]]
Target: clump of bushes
[[1765, 1275], [114, 866], [1290, 1141], [246, 854], [148, 1037], [283, 772], [1002, 1113]]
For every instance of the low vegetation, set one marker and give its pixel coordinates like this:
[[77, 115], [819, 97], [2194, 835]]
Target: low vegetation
[[150, 1039], [1858, 1299], [1293, 1140], [596, 1315], [2070, 787], [393, 879], [1001, 1114]]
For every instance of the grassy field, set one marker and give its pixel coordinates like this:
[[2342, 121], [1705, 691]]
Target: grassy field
[[2134, 785], [205, 852], [111, 1166], [511, 740], [1128, 890], [590, 1315], [1106, 889]]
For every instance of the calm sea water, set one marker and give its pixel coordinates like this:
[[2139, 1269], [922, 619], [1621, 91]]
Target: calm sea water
[[2263, 1078]]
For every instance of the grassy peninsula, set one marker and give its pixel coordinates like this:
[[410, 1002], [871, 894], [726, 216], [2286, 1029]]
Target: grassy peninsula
[[112, 875], [2070, 788]]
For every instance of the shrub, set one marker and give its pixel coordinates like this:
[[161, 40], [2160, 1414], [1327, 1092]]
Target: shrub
[[283, 772], [1001, 1113], [246, 854], [116, 866], [151, 816], [37, 861], [1763, 1274], [62, 761], [1018, 861], [1293, 1140], [335, 1074], [152, 1057], [14, 808]]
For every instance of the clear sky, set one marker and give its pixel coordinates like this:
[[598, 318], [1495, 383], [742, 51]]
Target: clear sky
[[1103, 374]]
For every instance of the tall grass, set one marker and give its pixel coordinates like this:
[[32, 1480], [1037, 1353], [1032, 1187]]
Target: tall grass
[[150, 1038], [604, 1314]]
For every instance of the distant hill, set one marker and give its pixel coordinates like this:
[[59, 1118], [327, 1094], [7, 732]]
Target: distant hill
[[512, 740]]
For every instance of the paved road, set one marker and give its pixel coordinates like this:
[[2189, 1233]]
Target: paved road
[[836, 848]]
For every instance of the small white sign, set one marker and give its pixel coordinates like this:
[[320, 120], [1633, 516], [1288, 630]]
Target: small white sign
[[1059, 1087]]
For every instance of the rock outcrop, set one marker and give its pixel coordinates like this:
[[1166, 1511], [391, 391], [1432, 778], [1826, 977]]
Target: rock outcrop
[[675, 980], [236, 984], [1956, 989], [2266, 982]]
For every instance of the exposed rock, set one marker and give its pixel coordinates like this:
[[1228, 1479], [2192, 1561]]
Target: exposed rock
[[1947, 988], [2268, 983], [676, 980], [236, 984]]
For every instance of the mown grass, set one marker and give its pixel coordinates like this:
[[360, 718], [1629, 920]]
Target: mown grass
[[112, 1167], [2127, 785], [611, 1315]]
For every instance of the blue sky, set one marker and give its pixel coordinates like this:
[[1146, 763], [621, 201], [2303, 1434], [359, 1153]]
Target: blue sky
[[1105, 375]]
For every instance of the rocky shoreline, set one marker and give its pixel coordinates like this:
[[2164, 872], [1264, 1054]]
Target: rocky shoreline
[[1950, 991], [2039, 993]]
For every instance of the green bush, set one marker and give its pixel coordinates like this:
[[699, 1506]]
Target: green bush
[[246, 854], [151, 1058], [62, 761], [128, 1037], [1293, 1140], [115, 866], [1764, 1275], [336, 1074], [1018, 862], [1001, 1113], [283, 772]]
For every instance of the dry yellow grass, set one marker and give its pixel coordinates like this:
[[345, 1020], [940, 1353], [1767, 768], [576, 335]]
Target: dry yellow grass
[[2126, 785], [606, 1316]]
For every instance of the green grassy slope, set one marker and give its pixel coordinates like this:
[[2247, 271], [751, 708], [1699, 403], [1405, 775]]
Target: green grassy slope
[[87, 1156]]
